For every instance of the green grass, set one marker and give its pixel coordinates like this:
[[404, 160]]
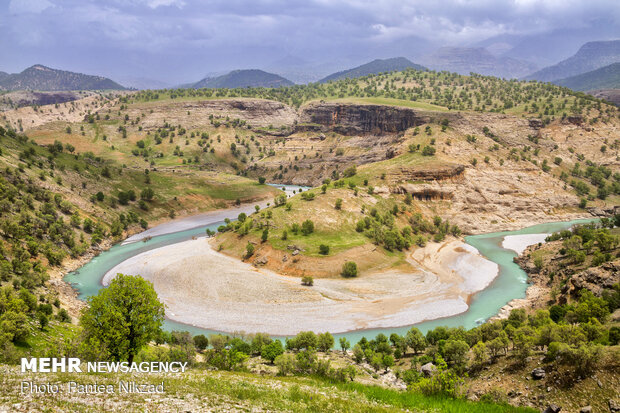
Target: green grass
[[220, 391], [389, 102]]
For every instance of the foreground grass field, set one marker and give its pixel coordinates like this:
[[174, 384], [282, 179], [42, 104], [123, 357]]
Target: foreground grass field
[[199, 390]]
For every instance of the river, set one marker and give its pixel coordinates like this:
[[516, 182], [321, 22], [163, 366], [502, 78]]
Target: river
[[510, 283]]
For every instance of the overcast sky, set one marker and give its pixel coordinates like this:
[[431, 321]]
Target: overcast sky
[[182, 40]]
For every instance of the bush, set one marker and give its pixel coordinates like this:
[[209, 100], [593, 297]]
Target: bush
[[323, 249], [201, 342], [285, 364], [428, 151], [249, 250], [307, 281], [350, 171], [272, 350], [325, 341], [307, 227], [349, 269], [338, 204]]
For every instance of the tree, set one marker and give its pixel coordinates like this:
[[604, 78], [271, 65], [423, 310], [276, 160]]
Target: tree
[[262, 180], [323, 249], [344, 344], [272, 350], [415, 340], [201, 342], [338, 204], [249, 250], [265, 235], [123, 317], [428, 151], [147, 194], [307, 281], [480, 354], [307, 227], [455, 352], [325, 341], [349, 269]]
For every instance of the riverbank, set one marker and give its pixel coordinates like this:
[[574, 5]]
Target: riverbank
[[207, 289], [69, 294]]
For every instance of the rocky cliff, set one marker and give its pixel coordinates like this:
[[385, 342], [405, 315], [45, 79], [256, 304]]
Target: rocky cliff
[[352, 119]]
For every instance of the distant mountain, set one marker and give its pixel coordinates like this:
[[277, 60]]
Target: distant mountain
[[141, 83], [590, 56], [610, 95], [464, 60], [547, 48], [607, 77], [374, 67], [3, 75], [39, 77], [243, 79]]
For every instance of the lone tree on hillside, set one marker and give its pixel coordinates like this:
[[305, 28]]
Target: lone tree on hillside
[[122, 318], [349, 269]]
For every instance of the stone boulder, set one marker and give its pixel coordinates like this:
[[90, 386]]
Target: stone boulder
[[538, 373], [552, 408], [428, 369]]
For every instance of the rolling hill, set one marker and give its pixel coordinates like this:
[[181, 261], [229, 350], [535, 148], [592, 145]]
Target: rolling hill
[[374, 67], [590, 56], [243, 79], [477, 60], [39, 77], [607, 77]]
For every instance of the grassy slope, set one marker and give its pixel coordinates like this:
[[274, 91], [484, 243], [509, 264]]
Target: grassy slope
[[199, 390]]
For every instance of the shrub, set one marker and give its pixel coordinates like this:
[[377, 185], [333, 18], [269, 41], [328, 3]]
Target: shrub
[[307, 281], [307, 227], [272, 350], [285, 363], [349, 269], [249, 250], [338, 204], [201, 342], [323, 249], [428, 151]]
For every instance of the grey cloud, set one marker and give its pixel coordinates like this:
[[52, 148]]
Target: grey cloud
[[180, 40]]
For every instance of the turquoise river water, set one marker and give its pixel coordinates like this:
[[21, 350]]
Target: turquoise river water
[[509, 284]]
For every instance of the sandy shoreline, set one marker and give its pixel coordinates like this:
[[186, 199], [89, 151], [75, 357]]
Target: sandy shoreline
[[518, 243], [204, 288]]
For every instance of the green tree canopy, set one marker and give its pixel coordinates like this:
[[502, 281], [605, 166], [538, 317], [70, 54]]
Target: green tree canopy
[[122, 318]]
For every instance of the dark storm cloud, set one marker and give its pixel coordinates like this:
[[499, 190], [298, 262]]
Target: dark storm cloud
[[179, 40]]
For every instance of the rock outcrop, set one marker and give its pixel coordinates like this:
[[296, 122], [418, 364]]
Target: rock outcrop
[[352, 119]]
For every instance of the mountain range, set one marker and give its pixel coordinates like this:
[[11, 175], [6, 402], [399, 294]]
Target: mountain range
[[590, 56], [374, 67], [591, 67], [39, 77], [464, 60]]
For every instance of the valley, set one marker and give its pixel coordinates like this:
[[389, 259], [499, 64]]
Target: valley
[[393, 181]]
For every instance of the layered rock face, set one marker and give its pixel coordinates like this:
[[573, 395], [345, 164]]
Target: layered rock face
[[351, 119], [256, 112]]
